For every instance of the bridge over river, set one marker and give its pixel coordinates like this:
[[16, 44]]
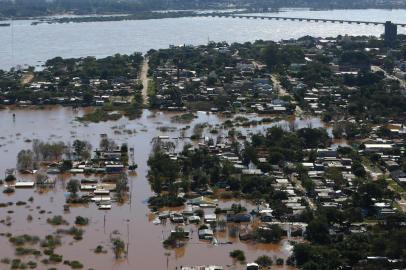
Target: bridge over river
[[277, 18]]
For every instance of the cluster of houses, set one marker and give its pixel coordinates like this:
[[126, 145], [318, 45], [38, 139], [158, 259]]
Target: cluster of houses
[[282, 181], [103, 162], [211, 215], [98, 191], [95, 91], [328, 193], [109, 164], [325, 97], [247, 87], [315, 97], [106, 165], [325, 192], [390, 151]]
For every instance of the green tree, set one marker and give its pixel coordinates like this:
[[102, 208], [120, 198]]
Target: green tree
[[25, 160], [273, 234], [82, 149], [238, 255], [318, 231], [118, 247], [73, 187]]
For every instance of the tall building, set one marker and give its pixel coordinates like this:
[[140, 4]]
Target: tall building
[[391, 31]]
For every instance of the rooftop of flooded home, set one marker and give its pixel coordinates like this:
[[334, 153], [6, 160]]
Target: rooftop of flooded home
[[132, 220]]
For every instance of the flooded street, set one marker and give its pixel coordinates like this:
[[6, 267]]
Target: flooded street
[[132, 220]]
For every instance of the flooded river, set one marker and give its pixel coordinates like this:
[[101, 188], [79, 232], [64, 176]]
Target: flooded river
[[131, 220], [24, 43]]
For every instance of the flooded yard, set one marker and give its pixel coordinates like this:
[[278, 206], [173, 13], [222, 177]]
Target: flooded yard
[[132, 221]]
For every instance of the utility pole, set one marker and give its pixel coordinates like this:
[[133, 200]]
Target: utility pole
[[167, 254], [128, 237]]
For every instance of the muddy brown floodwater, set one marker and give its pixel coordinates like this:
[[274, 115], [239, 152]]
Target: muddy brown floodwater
[[131, 220]]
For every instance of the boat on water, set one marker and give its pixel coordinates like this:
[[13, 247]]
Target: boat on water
[[4, 24]]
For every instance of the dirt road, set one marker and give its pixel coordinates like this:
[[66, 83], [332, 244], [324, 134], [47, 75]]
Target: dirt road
[[283, 92], [27, 78], [144, 79]]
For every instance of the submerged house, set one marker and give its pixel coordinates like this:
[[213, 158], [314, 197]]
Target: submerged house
[[207, 267], [206, 234], [203, 202]]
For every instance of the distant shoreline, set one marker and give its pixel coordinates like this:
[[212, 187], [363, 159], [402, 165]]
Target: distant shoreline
[[68, 17]]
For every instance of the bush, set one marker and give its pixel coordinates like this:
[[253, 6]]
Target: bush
[[5, 261], [24, 239], [184, 118], [21, 251], [8, 190], [15, 263], [99, 249], [77, 200], [57, 220], [264, 261], [50, 242], [81, 221], [32, 264], [76, 265], [48, 252], [75, 232], [238, 255], [55, 258]]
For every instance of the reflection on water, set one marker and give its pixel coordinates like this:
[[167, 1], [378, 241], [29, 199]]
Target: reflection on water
[[132, 220]]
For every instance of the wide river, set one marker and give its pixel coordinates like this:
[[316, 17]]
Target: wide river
[[131, 220], [24, 44]]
